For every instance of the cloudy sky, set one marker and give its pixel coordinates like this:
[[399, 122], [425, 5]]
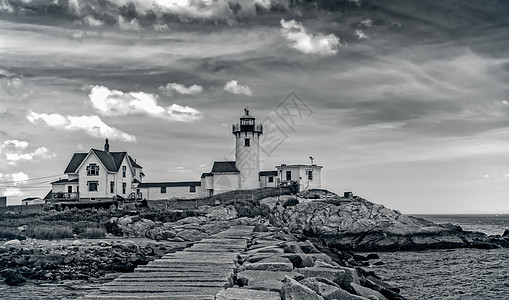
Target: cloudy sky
[[405, 103]]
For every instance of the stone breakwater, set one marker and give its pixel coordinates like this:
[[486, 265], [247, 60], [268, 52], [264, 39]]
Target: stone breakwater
[[360, 225], [278, 265]]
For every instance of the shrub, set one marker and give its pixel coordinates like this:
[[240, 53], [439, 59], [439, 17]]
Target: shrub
[[113, 228], [290, 202], [251, 209], [93, 233], [49, 232]]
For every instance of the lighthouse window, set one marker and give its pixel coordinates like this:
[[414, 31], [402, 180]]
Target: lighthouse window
[[288, 175], [310, 175], [271, 179], [247, 143]]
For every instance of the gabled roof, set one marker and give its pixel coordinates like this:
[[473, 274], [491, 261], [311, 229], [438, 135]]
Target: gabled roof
[[111, 160], [31, 199], [48, 195], [268, 173], [224, 167], [134, 164], [169, 184], [64, 181], [76, 160]]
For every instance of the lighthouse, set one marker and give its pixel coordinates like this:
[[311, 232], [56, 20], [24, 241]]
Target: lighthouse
[[247, 150]]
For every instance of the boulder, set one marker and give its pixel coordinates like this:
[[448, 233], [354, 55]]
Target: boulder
[[308, 247], [293, 290], [124, 221], [77, 243], [191, 235], [283, 265], [219, 212], [292, 248], [340, 275], [12, 244], [126, 246], [246, 294], [14, 279], [260, 228], [319, 285], [339, 294], [263, 280], [506, 233], [372, 256], [366, 292]]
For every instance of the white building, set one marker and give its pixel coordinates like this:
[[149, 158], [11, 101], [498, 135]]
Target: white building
[[32, 201], [98, 175], [170, 190], [307, 176]]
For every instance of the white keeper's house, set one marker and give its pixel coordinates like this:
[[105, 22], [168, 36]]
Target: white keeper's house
[[104, 175]]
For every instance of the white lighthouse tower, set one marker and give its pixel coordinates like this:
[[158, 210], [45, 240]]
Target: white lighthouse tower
[[247, 150]]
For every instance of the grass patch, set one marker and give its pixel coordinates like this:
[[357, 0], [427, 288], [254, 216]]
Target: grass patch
[[93, 233], [49, 232]]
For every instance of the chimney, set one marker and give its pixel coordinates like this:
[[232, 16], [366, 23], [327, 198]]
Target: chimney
[[107, 146]]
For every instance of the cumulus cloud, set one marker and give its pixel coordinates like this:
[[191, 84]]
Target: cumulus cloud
[[13, 179], [134, 24], [15, 150], [91, 125], [235, 88], [15, 144], [359, 31], [172, 87], [309, 43], [117, 103]]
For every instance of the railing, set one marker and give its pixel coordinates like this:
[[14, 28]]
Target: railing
[[63, 196], [247, 128]]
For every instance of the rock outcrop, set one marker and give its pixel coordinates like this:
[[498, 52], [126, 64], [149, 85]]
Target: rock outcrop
[[357, 224]]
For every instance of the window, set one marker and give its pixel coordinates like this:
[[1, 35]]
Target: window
[[92, 186], [92, 170], [192, 189], [69, 189], [288, 175], [163, 190], [246, 143], [112, 186], [124, 171], [124, 185], [310, 175], [271, 179]]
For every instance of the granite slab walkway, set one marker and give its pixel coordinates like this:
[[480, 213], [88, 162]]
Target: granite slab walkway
[[197, 272]]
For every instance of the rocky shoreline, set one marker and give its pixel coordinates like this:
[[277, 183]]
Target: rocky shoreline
[[355, 224]]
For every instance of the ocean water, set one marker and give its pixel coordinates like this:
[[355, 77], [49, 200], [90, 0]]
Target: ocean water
[[452, 274]]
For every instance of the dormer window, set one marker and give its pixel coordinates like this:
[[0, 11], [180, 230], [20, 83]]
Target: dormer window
[[93, 170]]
